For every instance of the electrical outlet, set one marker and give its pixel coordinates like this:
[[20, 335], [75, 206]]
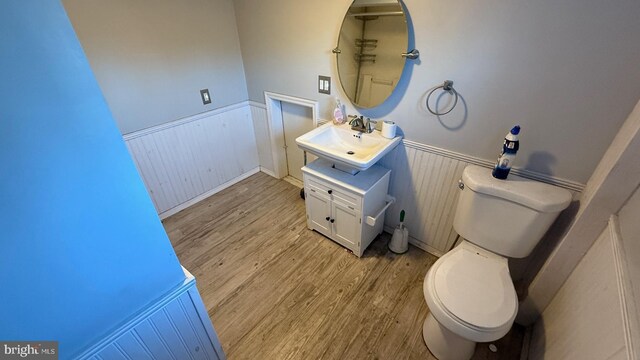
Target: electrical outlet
[[324, 85], [206, 98]]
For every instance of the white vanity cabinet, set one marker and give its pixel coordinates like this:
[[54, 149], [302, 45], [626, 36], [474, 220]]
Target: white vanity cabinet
[[338, 203]]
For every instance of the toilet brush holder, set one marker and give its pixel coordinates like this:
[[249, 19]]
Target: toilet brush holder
[[399, 243]]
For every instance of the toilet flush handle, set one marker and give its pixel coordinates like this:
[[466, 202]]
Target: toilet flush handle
[[460, 184]]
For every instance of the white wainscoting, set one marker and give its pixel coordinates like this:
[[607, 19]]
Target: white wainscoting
[[176, 326], [424, 181], [275, 124], [263, 138], [589, 317], [425, 186], [185, 161]]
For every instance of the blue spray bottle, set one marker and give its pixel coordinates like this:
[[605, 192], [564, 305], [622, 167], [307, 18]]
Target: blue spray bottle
[[509, 150]]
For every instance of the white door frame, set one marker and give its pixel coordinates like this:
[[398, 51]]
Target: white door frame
[[276, 129]]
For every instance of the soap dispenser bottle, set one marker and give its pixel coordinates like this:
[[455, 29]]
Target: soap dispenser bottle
[[509, 150], [338, 114]]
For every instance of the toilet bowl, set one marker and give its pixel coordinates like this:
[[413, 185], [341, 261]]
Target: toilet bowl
[[471, 299], [469, 291]]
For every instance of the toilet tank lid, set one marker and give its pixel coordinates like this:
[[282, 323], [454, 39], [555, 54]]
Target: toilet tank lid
[[530, 193]]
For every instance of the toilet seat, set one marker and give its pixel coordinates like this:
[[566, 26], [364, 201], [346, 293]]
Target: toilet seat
[[469, 291]]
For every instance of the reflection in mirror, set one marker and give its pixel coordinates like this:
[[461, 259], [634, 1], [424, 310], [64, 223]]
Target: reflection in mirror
[[372, 39]]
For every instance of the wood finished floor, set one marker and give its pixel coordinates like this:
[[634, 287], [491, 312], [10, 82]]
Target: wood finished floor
[[276, 290]]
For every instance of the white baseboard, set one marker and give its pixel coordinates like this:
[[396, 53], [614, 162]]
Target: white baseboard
[[293, 181], [267, 171], [417, 243], [203, 196]]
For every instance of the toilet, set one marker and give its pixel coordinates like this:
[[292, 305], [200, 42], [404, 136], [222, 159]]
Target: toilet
[[469, 290]]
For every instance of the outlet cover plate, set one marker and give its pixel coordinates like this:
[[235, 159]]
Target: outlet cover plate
[[206, 98], [324, 85]]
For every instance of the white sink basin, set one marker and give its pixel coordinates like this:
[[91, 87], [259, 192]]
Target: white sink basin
[[346, 147]]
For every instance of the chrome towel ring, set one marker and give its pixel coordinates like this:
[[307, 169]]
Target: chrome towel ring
[[448, 87]]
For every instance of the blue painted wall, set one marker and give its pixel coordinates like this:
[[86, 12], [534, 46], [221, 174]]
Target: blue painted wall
[[81, 246]]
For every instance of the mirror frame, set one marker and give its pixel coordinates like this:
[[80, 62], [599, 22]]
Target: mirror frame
[[399, 66]]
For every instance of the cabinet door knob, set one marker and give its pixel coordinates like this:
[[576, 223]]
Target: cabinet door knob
[[327, 218], [330, 191], [332, 220]]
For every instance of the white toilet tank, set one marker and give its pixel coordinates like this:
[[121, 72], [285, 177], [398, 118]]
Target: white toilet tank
[[507, 217]]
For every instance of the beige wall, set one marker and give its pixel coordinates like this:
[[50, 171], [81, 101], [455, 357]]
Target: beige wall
[[566, 71], [151, 58]]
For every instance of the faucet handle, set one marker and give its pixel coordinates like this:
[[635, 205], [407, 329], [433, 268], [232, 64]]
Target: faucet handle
[[368, 125]]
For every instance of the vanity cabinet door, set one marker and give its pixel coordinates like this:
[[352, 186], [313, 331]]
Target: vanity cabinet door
[[337, 201], [318, 212], [346, 227]]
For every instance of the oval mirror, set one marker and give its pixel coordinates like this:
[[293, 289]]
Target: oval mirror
[[373, 37]]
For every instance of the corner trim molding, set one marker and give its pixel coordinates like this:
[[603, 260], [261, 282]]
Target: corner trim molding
[[257, 104], [563, 183], [630, 320], [273, 103]]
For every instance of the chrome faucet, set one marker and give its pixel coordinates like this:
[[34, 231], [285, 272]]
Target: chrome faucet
[[368, 124], [358, 123]]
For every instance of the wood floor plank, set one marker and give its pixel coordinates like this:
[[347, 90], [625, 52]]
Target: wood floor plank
[[317, 322], [276, 290], [400, 332], [399, 289]]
